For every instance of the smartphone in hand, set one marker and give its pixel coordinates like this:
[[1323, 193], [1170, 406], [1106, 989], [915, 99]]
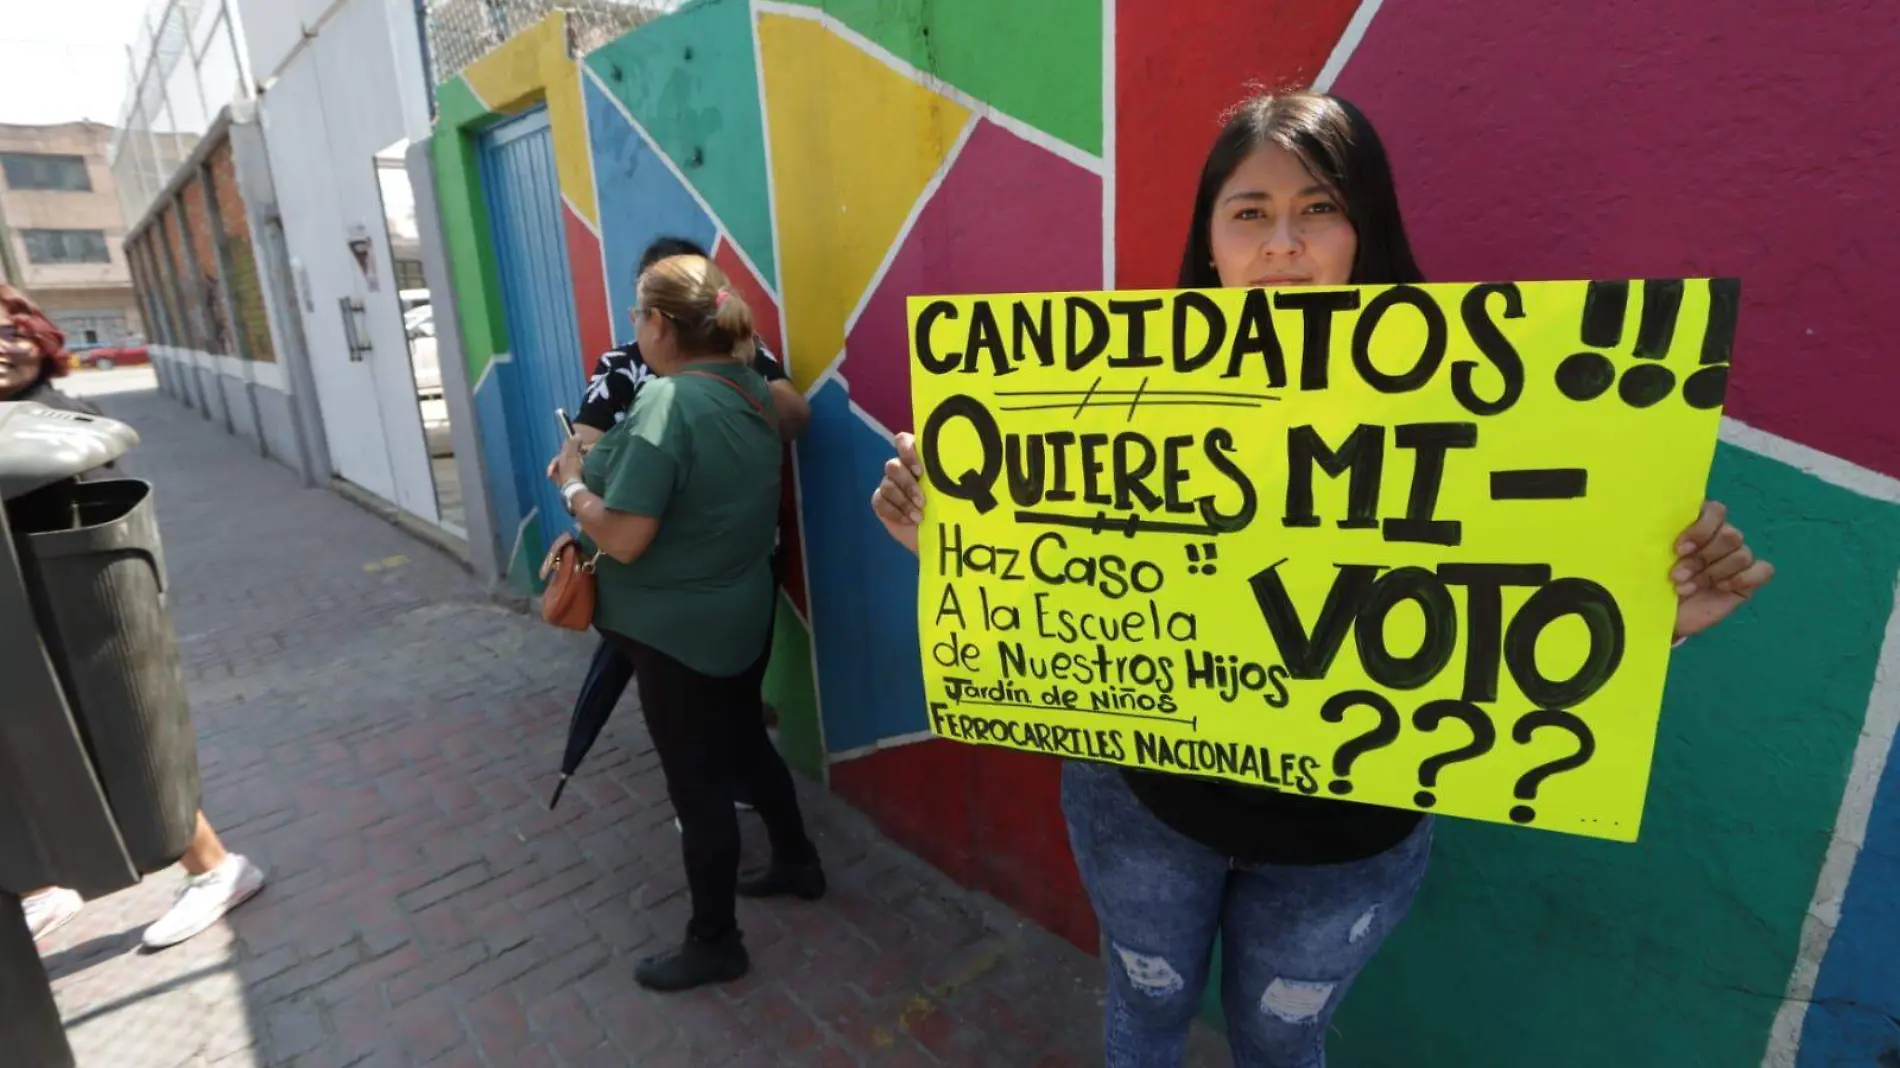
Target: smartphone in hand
[[567, 425]]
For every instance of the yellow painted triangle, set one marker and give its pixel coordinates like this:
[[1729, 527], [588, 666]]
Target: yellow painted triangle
[[853, 144]]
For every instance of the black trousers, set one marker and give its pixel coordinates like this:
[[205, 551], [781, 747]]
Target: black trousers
[[708, 734], [610, 673]]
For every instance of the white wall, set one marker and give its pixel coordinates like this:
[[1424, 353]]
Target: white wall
[[272, 30], [331, 103]]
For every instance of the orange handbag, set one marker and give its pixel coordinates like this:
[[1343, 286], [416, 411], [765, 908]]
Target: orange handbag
[[568, 600]]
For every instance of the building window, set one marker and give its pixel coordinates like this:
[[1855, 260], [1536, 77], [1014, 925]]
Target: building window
[[90, 327], [66, 246], [409, 275], [26, 170]]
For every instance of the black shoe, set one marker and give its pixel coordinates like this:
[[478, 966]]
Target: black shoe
[[805, 882], [695, 964]]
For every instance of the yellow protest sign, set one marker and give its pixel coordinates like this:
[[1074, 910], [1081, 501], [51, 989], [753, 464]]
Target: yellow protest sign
[[1402, 545]]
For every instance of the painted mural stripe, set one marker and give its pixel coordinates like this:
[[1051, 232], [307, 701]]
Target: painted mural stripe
[[771, 197], [828, 374], [924, 197], [472, 91], [1040, 138], [811, 589], [488, 369], [896, 247], [1348, 43], [521, 534], [1109, 141], [593, 180], [588, 224], [599, 227], [870, 420], [1827, 467], [797, 612], [1850, 832], [673, 167], [895, 741]]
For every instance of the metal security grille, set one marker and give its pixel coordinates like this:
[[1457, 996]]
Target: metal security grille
[[462, 31], [183, 66]]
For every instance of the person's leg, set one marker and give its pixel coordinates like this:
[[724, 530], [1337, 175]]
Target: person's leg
[[219, 882], [1294, 939], [744, 789], [794, 869], [206, 852], [1157, 896], [679, 705]]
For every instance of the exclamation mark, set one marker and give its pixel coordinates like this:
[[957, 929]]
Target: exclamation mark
[[1708, 387], [1647, 383], [1586, 375], [1201, 559]]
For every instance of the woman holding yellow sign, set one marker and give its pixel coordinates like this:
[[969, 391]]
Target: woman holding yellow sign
[[1296, 191]]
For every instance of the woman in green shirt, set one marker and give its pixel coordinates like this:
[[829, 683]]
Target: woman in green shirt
[[681, 501]]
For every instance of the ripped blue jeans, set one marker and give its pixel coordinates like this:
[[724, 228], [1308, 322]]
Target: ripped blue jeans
[[1293, 937]]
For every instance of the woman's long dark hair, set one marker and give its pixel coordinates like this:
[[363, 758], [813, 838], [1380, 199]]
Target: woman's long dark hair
[[1337, 144]]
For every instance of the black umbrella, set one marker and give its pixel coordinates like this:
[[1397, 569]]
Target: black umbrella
[[607, 679]]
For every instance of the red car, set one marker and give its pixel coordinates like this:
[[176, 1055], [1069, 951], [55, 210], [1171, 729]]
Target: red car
[[106, 357]]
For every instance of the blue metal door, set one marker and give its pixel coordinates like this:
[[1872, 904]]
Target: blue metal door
[[537, 289]]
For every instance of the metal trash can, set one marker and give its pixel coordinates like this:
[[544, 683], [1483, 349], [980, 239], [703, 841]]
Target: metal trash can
[[29, 1018], [98, 767], [100, 604]]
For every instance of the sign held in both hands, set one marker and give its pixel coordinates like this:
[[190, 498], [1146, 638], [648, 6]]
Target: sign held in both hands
[[1403, 545]]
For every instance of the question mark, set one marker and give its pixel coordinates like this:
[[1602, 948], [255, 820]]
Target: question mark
[[1387, 732], [1483, 737], [1528, 783]]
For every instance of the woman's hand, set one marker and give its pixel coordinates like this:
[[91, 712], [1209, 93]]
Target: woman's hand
[[1715, 572], [899, 500], [566, 466]]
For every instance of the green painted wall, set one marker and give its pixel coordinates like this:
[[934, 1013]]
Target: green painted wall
[[790, 688], [1036, 60], [465, 230]]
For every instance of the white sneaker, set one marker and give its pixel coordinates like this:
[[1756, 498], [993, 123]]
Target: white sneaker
[[204, 901], [48, 912]]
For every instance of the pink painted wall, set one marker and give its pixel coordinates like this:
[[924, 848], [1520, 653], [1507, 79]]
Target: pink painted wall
[[1172, 82], [1629, 138]]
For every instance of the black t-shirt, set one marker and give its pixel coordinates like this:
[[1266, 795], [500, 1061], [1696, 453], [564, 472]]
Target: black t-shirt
[[620, 373], [1255, 825]]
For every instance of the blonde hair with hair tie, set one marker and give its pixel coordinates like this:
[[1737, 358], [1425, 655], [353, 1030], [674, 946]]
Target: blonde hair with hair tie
[[697, 297]]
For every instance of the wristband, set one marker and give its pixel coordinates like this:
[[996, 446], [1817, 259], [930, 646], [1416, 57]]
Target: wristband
[[571, 489]]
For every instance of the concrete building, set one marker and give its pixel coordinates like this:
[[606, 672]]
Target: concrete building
[[63, 229]]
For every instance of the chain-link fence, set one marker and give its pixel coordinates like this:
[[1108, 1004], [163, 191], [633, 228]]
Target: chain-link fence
[[185, 64], [462, 31]]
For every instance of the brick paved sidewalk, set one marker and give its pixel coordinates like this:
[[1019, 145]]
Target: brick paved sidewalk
[[382, 738]]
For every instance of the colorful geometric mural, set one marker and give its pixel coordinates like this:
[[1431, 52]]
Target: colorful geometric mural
[[1777, 732], [842, 155]]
